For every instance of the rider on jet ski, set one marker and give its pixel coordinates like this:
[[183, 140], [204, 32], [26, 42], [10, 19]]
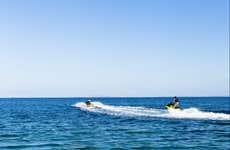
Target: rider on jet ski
[[173, 104], [88, 103]]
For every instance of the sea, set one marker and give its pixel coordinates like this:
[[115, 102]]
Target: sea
[[114, 123]]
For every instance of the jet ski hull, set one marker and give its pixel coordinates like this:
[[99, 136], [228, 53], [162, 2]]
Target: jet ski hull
[[172, 107], [88, 104]]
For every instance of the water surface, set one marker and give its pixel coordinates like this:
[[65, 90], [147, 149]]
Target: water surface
[[114, 123]]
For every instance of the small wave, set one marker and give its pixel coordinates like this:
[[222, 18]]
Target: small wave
[[190, 113]]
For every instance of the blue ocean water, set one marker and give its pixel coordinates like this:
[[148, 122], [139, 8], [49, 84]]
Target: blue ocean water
[[114, 123]]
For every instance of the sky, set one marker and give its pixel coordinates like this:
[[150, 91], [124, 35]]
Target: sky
[[74, 48]]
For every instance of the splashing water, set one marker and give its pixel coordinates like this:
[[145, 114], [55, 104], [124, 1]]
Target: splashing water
[[190, 113]]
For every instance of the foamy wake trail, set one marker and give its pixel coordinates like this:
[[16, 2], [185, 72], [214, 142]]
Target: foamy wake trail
[[190, 113]]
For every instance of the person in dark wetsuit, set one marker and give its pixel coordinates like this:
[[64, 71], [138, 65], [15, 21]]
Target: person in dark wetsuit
[[88, 103], [174, 103]]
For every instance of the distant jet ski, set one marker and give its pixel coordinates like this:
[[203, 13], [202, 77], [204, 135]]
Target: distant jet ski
[[88, 103]]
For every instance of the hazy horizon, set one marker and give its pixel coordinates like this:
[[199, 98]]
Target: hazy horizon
[[117, 97]]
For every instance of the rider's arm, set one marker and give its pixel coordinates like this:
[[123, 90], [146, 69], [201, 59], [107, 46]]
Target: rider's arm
[[176, 104]]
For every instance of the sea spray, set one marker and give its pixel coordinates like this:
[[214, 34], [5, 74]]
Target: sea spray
[[189, 113]]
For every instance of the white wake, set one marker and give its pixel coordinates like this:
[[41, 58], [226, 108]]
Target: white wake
[[190, 113]]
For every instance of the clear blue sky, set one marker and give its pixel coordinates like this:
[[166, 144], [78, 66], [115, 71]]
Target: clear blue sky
[[114, 48]]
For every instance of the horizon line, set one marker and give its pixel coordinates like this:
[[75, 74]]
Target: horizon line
[[105, 96]]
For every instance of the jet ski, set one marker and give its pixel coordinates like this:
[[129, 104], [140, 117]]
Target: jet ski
[[170, 106], [88, 103]]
